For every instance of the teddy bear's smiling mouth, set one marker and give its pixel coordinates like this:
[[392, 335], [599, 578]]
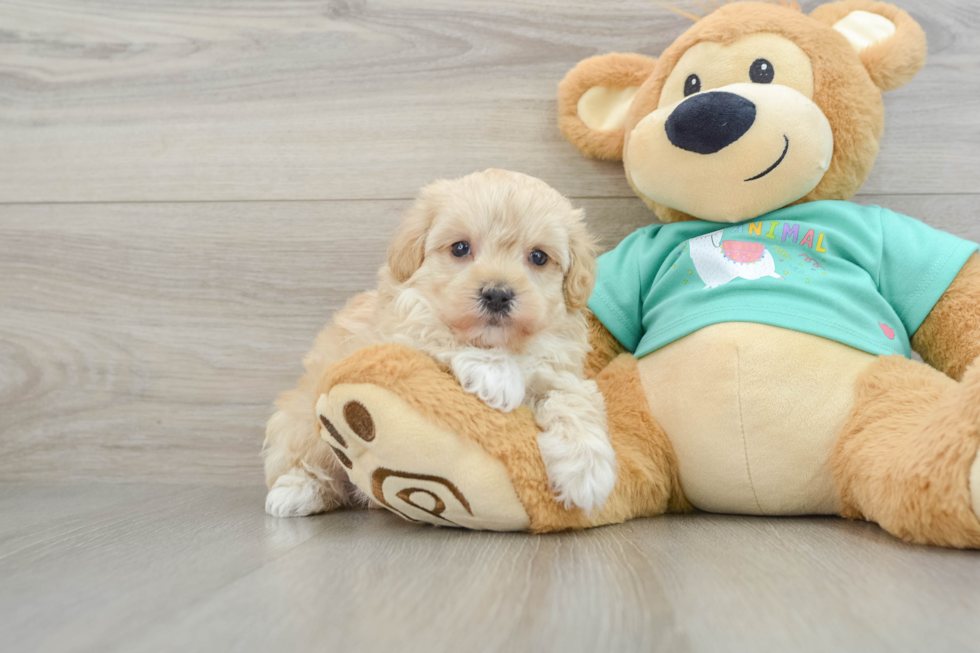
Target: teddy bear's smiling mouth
[[773, 166]]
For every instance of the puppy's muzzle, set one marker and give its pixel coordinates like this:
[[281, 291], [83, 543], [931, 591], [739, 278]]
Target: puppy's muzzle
[[497, 300]]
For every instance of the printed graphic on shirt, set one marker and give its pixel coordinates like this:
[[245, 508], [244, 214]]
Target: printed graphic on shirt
[[720, 257], [719, 261]]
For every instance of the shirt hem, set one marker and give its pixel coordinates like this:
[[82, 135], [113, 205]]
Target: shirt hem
[[933, 287], [613, 319], [825, 329]]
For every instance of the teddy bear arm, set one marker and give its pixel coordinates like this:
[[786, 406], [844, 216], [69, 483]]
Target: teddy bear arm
[[417, 444], [949, 338], [605, 347]]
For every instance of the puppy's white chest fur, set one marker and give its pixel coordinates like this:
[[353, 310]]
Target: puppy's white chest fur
[[504, 380], [492, 375], [570, 411]]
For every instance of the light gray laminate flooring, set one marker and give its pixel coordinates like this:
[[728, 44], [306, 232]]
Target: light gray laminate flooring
[[189, 188], [201, 568]]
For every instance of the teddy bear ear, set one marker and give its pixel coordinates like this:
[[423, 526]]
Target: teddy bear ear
[[593, 100], [890, 43]]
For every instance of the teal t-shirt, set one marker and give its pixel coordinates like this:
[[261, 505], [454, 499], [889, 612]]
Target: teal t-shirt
[[861, 275]]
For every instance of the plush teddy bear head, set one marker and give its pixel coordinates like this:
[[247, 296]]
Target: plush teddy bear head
[[755, 107]]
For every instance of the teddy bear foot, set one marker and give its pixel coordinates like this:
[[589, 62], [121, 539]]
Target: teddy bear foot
[[413, 467], [971, 387]]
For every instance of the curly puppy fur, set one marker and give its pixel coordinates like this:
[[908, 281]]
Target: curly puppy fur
[[434, 300]]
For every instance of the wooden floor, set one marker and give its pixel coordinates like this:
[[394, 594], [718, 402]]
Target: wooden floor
[[183, 568], [188, 189]]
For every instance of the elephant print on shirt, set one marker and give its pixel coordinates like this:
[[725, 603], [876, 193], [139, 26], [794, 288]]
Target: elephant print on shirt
[[720, 261]]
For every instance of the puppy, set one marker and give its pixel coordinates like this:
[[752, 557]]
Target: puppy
[[488, 274]]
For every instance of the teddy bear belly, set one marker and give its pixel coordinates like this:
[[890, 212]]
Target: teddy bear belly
[[753, 412]]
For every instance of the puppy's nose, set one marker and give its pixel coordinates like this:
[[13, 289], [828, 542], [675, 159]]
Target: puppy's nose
[[497, 299], [707, 122]]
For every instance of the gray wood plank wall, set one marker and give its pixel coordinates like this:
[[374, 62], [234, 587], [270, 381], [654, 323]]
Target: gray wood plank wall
[[189, 188]]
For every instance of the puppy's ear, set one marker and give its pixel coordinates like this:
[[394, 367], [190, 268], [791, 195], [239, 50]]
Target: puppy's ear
[[407, 249], [593, 100], [890, 43], [580, 278]]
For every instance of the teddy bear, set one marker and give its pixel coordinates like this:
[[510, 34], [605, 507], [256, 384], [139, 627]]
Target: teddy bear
[[753, 349]]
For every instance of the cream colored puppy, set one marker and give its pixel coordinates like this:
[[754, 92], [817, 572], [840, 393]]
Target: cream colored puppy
[[488, 274]]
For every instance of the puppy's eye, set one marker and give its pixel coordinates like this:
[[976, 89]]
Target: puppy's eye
[[692, 85], [460, 249], [761, 71], [538, 257]]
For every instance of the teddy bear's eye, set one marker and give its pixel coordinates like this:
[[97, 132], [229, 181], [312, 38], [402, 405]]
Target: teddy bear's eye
[[692, 85], [761, 71]]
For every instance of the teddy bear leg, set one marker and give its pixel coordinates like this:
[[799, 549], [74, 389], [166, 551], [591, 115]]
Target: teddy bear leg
[[907, 457], [417, 444], [648, 482]]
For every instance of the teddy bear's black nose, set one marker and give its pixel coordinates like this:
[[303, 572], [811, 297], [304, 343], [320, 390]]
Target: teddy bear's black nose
[[707, 122]]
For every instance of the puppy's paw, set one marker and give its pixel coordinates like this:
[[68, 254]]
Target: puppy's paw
[[492, 376], [581, 464], [296, 495]]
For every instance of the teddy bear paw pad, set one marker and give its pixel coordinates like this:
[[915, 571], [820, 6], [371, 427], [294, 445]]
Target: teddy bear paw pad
[[415, 468]]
